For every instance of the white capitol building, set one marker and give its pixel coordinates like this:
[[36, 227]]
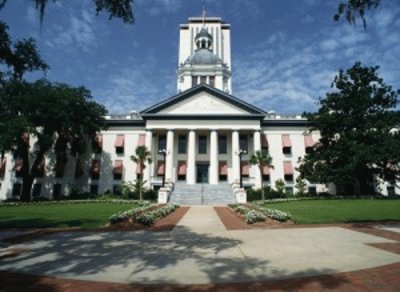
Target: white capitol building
[[201, 131]]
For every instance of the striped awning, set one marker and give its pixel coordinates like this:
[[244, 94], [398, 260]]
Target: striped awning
[[119, 141], [286, 143], [118, 167], [245, 168], [308, 141], [98, 140], [181, 167], [265, 170], [95, 169], [288, 168], [223, 168], [137, 168], [160, 167], [142, 140]]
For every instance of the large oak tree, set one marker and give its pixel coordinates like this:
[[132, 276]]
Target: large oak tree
[[58, 116], [359, 126]]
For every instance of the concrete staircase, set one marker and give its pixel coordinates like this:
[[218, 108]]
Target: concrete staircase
[[202, 194]]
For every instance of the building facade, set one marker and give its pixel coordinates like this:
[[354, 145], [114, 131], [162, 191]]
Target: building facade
[[194, 137]]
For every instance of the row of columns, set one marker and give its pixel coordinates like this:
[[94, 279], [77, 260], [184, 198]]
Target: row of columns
[[191, 159]]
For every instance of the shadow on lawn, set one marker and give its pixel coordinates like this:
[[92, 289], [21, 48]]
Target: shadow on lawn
[[147, 257], [43, 223]]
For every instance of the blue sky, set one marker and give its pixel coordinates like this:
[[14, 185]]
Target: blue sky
[[285, 53]]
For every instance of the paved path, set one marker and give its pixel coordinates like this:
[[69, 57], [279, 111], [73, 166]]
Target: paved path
[[198, 251]]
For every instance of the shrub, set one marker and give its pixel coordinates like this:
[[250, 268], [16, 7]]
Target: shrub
[[148, 218], [253, 216]]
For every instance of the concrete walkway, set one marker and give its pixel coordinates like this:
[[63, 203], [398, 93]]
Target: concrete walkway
[[200, 251]]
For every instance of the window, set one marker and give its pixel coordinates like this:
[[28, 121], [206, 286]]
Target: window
[[194, 81], [202, 144], [288, 177], [212, 81], [312, 190], [289, 190], [266, 178], [391, 191], [16, 191], [181, 177], [94, 189], [203, 79], [37, 189], [97, 143], [287, 150], [222, 145], [162, 142], [57, 188], [119, 144], [95, 170], [243, 143], [118, 169], [182, 144], [223, 177], [265, 150]]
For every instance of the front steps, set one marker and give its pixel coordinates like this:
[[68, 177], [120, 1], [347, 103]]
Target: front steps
[[202, 194]]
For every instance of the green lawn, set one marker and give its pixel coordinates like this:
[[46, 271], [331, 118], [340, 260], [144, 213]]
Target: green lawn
[[85, 215], [340, 211]]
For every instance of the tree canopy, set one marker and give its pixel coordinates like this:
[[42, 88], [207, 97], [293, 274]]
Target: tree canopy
[[115, 8], [55, 114], [351, 8], [359, 127]]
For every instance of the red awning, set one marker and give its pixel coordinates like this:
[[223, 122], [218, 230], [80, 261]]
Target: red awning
[[118, 167], [245, 168], [308, 140], [95, 166], [160, 167], [265, 170], [288, 168], [181, 167], [286, 141], [264, 141], [119, 141], [223, 168], [18, 164], [142, 140], [3, 166]]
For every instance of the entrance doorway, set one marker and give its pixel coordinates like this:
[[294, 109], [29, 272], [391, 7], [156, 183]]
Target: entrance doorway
[[202, 172]]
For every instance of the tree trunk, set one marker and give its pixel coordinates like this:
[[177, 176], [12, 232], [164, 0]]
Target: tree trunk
[[141, 183], [262, 186]]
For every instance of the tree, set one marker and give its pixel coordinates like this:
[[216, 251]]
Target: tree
[[57, 115], [115, 8], [359, 127], [353, 7], [300, 186], [280, 186], [141, 157], [262, 159]]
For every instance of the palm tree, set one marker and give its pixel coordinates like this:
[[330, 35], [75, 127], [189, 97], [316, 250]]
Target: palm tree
[[142, 156], [262, 159]]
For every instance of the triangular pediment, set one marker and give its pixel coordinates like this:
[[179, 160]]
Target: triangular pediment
[[202, 100]]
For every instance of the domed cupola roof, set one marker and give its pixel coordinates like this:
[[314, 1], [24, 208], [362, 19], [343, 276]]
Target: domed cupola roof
[[203, 54]]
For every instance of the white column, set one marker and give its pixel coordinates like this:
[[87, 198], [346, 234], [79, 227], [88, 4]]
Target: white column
[[148, 172], [169, 160], [255, 168], [235, 175], [191, 162], [214, 157]]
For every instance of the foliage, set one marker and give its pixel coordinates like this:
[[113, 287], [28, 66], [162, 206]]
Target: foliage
[[56, 114], [148, 218], [262, 159], [300, 186], [359, 127], [115, 8], [351, 8], [250, 215], [135, 211], [280, 186], [255, 194], [272, 213], [88, 214], [341, 211], [141, 157]]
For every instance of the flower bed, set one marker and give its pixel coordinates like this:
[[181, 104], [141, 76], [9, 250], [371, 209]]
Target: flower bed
[[273, 213], [250, 215], [121, 216], [148, 218]]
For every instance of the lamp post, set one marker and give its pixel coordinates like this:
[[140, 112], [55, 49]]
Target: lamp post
[[241, 152], [163, 152]]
